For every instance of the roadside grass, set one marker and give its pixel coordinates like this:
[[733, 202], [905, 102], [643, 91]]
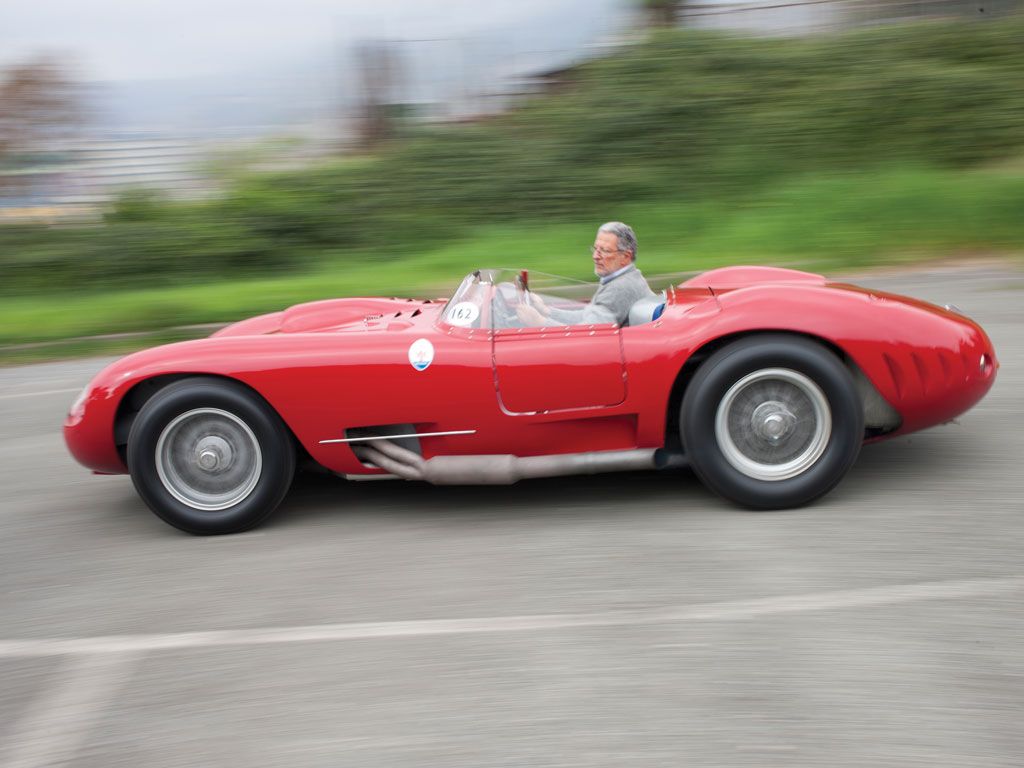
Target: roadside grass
[[833, 222]]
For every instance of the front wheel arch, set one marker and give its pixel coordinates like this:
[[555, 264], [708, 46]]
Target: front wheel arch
[[141, 392], [252, 452]]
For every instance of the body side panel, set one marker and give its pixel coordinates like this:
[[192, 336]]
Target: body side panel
[[922, 360]]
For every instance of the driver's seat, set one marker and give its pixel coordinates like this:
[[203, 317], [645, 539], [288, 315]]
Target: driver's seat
[[646, 309]]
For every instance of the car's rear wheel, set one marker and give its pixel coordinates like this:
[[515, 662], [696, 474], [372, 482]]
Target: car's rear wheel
[[208, 456], [772, 421]]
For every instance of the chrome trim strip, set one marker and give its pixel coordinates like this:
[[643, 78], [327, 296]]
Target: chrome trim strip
[[392, 437]]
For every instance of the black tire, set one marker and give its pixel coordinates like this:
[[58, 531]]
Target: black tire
[[758, 434], [209, 456]]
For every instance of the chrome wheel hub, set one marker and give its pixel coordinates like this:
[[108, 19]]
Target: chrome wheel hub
[[772, 421], [208, 459], [214, 454], [773, 424]]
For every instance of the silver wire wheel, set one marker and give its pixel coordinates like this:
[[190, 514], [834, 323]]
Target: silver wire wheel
[[208, 459], [773, 424]]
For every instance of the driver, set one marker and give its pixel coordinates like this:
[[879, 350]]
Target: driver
[[614, 254]]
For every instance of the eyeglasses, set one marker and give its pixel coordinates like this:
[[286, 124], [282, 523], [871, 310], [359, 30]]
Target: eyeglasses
[[604, 251]]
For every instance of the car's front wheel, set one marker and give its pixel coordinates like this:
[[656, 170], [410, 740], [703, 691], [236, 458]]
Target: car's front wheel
[[208, 456], [772, 421]]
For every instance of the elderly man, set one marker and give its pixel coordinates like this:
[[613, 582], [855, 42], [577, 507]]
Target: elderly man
[[614, 253]]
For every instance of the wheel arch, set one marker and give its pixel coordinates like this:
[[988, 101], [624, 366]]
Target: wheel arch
[[142, 391], [880, 417]]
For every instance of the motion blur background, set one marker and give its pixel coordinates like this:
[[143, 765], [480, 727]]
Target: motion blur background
[[166, 165]]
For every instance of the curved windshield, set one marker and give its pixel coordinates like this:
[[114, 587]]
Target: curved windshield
[[467, 308], [506, 298]]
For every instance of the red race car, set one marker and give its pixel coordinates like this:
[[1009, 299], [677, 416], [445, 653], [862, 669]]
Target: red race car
[[765, 381]]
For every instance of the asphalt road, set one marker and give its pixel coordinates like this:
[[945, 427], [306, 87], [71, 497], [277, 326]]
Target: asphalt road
[[612, 621]]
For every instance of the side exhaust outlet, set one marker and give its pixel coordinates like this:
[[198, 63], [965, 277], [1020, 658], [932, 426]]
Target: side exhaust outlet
[[499, 469]]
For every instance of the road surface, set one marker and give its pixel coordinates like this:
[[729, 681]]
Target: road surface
[[608, 621]]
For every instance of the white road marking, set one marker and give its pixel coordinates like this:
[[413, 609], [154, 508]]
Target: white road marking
[[51, 731], [724, 611], [41, 394]]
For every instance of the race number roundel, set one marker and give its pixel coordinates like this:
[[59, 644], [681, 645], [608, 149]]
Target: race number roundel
[[421, 354], [463, 314]]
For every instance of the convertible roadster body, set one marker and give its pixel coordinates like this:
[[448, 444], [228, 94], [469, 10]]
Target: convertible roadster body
[[766, 381]]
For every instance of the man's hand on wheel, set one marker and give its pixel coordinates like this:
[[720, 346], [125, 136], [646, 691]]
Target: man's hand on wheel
[[538, 303], [530, 315]]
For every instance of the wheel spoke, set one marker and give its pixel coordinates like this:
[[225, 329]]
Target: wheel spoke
[[773, 424], [208, 459]]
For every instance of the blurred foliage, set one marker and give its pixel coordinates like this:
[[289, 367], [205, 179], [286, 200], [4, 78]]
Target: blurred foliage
[[684, 116], [828, 223]]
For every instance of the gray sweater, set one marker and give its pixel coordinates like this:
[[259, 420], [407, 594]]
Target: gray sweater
[[611, 302]]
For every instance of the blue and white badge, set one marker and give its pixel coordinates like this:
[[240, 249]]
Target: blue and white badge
[[421, 354]]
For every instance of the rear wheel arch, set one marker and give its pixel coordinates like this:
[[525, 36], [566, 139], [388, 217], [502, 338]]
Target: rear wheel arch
[[692, 363]]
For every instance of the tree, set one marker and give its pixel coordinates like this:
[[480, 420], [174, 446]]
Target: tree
[[379, 76], [39, 103], [662, 13]]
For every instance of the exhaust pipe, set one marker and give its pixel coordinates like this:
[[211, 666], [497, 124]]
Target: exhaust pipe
[[499, 469]]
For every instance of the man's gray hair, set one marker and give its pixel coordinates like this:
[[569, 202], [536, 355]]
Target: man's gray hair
[[625, 233]]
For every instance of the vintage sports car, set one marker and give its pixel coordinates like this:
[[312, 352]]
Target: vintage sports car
[[765, 381]]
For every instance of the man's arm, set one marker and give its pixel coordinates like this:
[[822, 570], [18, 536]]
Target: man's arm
[[610, 304], [538, 313], [594, 313]]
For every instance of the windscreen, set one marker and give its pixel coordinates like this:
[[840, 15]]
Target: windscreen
[[510, 298]]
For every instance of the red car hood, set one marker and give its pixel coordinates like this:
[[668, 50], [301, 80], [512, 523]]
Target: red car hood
[[330, 315]]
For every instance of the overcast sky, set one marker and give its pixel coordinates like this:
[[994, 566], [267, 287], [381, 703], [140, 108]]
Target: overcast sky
[[144, 39]]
